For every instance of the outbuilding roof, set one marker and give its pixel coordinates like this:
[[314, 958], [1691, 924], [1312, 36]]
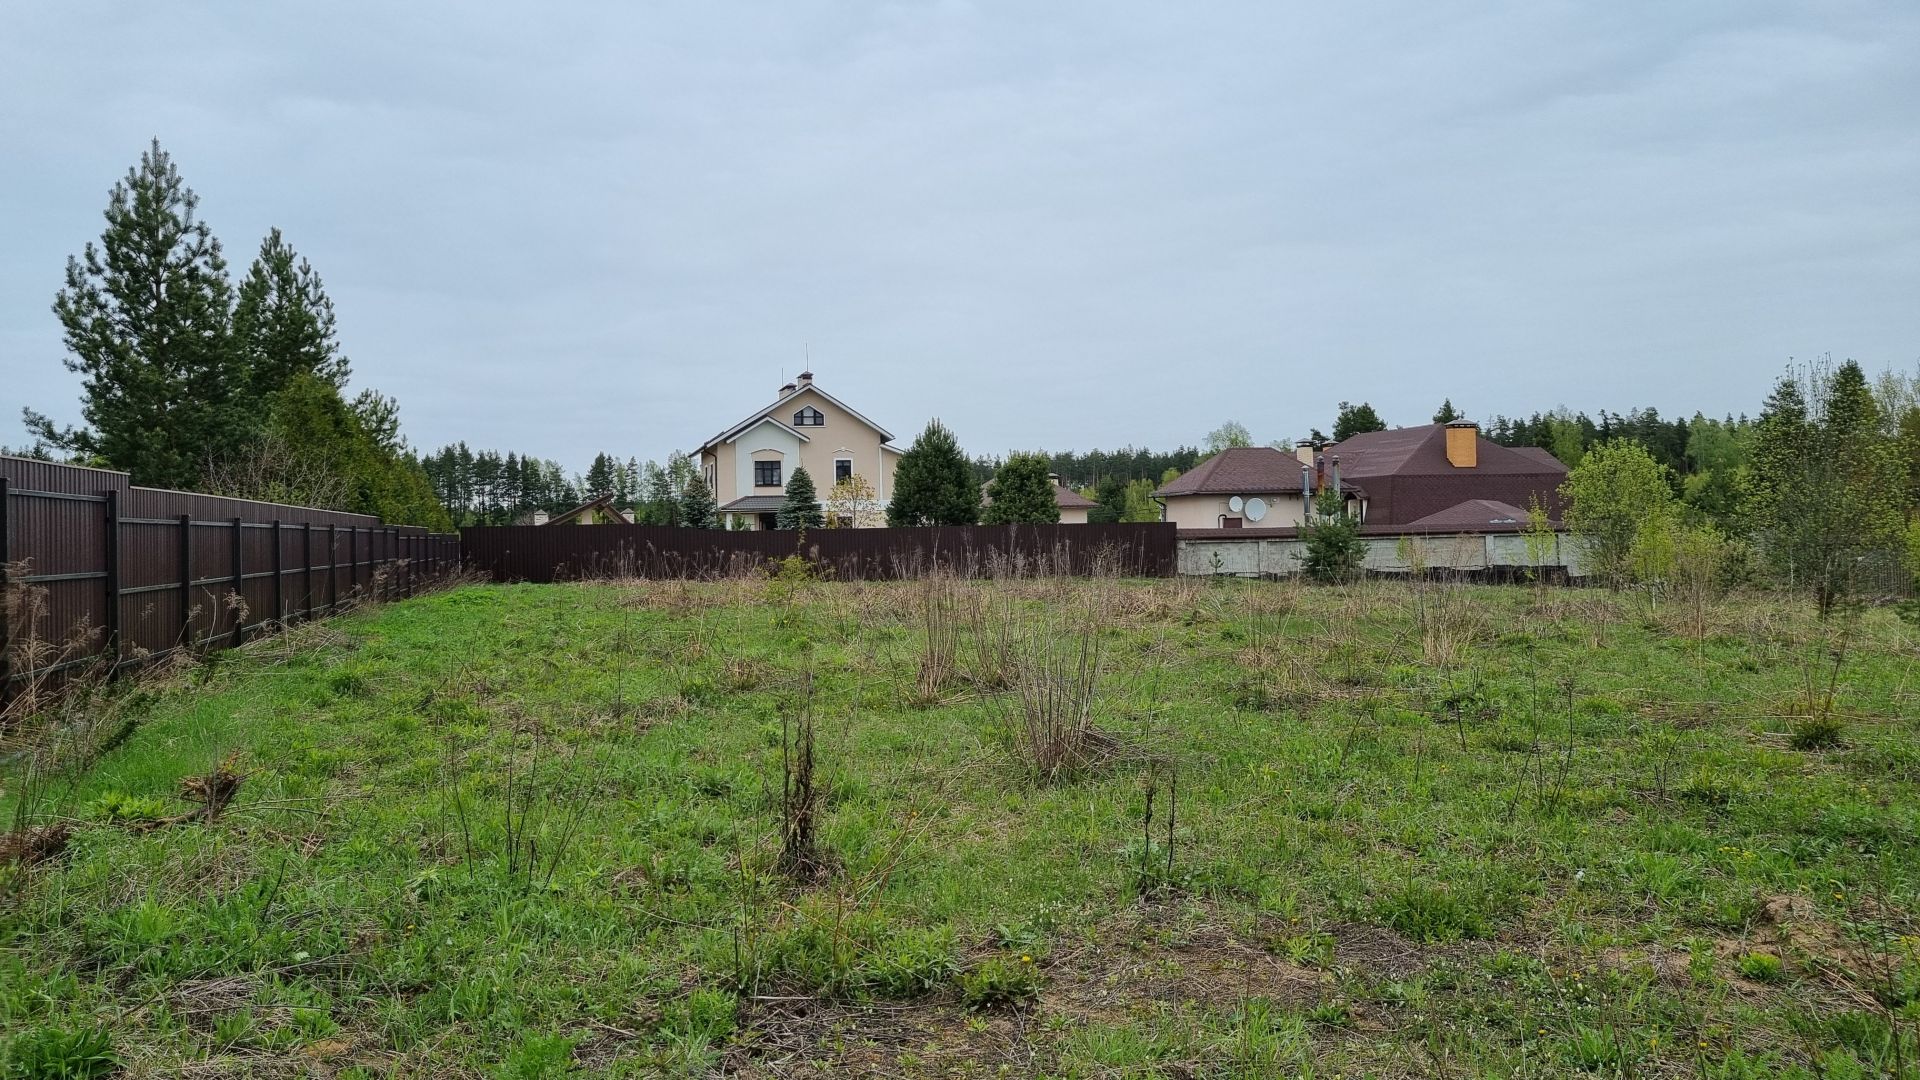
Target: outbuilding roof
[[1245, 470]]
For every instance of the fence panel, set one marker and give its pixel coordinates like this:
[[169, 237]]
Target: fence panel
[[93, 569], [559, 552]]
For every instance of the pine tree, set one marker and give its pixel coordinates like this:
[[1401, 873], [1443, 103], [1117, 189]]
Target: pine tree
[[147, 323], [1447, 414], [1354, 420], [1022, 493], [801, 510], [697, 508], [933, 484], [1335, 553], [283, 323]]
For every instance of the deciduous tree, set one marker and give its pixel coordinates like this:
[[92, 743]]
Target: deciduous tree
[[1021, 493]]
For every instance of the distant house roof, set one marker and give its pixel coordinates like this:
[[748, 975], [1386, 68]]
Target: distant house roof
[[787, 394], [1473, 514], [1068, 499], [1538, 453], [599, 502], [1422, 451], [755, 504], [1064, 497], [1244, 470]]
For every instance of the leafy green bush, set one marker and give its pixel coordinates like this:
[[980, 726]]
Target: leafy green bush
[[1762, 967], [1001, 981], [1430, 914], [59, 1053], [1818, 733], [120, 808]]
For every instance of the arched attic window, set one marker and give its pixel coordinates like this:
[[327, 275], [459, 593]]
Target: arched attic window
[[809, 417]]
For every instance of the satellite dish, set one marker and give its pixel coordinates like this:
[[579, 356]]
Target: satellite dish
[[1234, 504], [1256, 509]]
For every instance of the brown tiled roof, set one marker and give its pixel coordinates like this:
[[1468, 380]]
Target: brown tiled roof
[[1473, 513], [1068, 499], [1243, 470], [1538, 453], [1407, 475]]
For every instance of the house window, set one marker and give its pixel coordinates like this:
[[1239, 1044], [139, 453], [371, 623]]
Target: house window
[[842, 470], [766, 474], [1231, 523], [809, 417]]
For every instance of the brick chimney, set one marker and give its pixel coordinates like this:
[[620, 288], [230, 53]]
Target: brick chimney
[[805, 378], [1463, 444]]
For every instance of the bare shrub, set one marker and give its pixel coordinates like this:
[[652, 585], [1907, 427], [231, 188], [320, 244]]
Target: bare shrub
[[1053, 680], [1448, 619], [801, 794], [940, 642]]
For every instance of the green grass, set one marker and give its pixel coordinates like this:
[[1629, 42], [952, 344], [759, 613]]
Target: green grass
[[516, 831]]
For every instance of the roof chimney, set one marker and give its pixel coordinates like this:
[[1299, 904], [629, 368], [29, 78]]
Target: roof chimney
[[806, 378], [1463, 444], [787, 389]]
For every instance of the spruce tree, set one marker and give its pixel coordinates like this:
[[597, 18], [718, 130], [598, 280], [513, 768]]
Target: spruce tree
[[801, 510], [1022, 493], [933, 484], [697, 508], [600, 476], [1111, 495], [147, 321], [1447, 414], [283, 322]]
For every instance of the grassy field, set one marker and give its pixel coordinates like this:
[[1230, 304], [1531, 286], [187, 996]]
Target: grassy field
[[1383, 830]]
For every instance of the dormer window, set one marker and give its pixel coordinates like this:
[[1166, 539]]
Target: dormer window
[[809, 417]]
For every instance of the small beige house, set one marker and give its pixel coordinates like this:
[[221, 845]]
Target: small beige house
[[748, 465]]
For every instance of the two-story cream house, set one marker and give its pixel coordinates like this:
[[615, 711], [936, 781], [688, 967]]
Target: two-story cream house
[[748, 465]]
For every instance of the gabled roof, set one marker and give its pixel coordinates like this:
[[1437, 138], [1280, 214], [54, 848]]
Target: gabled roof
[[1473, 514], [727, 435], [1422, 451], [1068, 499], [1244, 470], [788, 428], [598, 502]]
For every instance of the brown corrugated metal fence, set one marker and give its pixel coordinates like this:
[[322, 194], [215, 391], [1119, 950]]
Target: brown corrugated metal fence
[[93, 569], [561, 552]]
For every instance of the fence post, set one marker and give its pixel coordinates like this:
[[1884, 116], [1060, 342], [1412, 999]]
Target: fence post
[[306, 574], [279, 579], [113, 576], [239, 587], [6, 612], [333, 568], [186, 578], [353, 556]]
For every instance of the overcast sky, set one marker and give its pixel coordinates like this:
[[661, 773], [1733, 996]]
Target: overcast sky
[[564, 227]]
